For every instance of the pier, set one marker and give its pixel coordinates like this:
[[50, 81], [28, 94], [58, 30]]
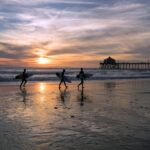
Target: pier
[[111, 63]]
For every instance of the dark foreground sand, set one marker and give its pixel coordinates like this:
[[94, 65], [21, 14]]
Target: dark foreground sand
[[107, 115]]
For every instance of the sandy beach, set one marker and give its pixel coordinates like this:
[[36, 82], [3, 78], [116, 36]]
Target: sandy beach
[[106, 115]]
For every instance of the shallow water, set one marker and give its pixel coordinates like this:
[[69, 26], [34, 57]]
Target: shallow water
[[113, 114]]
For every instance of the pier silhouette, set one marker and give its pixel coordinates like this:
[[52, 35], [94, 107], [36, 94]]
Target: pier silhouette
[[111, 63]]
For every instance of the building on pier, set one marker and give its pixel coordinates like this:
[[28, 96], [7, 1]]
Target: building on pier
[[110, 63]]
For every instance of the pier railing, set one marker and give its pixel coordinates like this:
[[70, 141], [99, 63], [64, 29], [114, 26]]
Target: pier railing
[[125, 66]]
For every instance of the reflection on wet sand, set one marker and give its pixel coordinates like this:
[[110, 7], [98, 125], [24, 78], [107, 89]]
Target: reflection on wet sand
[[88, 117], [110, 85], [42, 87], [23, 94], [64, 96], [82, 97]]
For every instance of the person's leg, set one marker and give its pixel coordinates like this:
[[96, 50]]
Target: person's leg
[[79, 84], [21, 83], [60, 84], [82, 82], [65, 83], [25, 81]]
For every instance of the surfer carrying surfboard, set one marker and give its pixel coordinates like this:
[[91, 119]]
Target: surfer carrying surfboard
[[62, 79], [81, 76], [24, 78]]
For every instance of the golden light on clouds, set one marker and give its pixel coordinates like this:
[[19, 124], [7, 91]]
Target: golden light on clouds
[[42, 57], [40, 52]]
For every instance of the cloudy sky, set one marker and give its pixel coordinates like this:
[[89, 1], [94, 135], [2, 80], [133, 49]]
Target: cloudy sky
[[73, 33]]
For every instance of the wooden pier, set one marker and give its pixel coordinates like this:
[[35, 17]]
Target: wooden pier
[[111, 64]]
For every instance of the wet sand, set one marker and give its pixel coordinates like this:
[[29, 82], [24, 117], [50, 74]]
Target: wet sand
[[106, 115]]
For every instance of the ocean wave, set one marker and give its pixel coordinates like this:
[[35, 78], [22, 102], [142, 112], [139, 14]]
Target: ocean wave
[[8, 75]]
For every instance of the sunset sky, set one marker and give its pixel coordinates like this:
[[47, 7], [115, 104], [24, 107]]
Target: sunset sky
[[73, 33]]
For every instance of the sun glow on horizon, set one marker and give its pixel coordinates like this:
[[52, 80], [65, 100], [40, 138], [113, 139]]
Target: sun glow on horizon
[[43, 60]]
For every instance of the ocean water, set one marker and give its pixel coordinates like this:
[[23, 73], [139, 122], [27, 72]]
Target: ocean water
[[8, 75]]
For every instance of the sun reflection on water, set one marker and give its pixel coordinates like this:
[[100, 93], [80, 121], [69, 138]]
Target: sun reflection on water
[[42, 87]]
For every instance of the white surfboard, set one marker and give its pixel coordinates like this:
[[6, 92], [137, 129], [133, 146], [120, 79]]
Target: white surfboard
[[87, 75], [66, 78], [20, 76]]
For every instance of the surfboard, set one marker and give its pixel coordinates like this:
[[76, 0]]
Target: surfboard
[[19, 76], [87, 75], [66, 78]]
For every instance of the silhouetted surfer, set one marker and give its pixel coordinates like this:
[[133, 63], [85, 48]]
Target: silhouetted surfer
[[24, 78], [62, 79], [81, 76]]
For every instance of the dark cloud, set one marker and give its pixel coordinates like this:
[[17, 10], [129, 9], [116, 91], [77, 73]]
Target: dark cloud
[[143, 50], [8, 50], [86, 49]]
